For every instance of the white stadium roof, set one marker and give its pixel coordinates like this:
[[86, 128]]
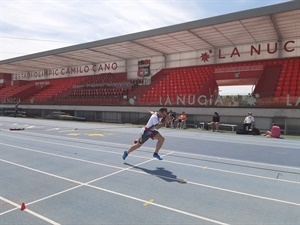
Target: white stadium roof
[[270, 23]]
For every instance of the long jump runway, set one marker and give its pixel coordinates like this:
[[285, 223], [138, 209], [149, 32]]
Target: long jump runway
[[62, 172]]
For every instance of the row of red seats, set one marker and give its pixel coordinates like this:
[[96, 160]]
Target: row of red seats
[[11, 91], [56, 87], [99, 92], [178, 81], [191, 79], [90, 101], [107, 78], [289, 79]]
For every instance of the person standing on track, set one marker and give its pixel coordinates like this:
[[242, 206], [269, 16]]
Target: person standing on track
[[155, 122], [17, 108], [215, 122]]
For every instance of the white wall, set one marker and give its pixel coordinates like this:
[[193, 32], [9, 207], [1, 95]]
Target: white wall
[[73, 71], [228, 54]]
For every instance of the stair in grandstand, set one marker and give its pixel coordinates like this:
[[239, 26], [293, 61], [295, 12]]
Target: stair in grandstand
[[20, 92], [103, 88], [141, 90], [54, 91], [266, 84]]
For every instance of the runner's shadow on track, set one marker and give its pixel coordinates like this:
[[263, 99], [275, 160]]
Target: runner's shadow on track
[[160, 172]]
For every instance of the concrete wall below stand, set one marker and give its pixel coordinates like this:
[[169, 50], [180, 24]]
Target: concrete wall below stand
[[287, 119]]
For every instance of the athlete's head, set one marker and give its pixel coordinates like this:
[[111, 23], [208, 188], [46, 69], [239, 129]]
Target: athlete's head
[[162, 112]]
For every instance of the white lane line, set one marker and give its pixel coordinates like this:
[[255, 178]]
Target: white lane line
[[29, 211], [185, 164], [62, 156], [224, 189], [161, 206], [65, 131], [29, 127], [242, 162], [111, 145], [127, 168], [259, 141], [112, 192], [245, 194], [199, 184], [232, 172], [52, 129]]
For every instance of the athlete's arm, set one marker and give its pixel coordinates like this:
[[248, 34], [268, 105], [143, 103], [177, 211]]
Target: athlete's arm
[[160, 125], [164, 120], [150, 111]]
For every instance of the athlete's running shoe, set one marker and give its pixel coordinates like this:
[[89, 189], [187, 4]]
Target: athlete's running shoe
[[125, 154], [155, 155]]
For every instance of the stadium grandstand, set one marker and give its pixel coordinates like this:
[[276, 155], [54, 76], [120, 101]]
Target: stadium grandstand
[[181, 67]]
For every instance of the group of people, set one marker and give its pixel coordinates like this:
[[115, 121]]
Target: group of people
[[174, 122], [248, 125], [162, 117]]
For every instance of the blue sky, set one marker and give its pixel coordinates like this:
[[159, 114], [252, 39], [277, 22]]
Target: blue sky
[[30, 26]]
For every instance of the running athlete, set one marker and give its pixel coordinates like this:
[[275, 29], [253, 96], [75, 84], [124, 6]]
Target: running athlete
[[155, 122]]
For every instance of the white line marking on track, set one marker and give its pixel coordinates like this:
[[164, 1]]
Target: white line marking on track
[[113, 192], [246, 194], [29, 127], [185, 164], [124, 145], [234, 160], [62, 156], [232, 172], [64, 131], [90, 141], [128, 168], [52, 129], [29, 211]]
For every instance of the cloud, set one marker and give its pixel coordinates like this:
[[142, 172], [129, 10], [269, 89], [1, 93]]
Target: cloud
[[68, 22], [81, 21], [85, 19]]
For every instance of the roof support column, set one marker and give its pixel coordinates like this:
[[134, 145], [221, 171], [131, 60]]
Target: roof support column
[[164, 60], [215, 55], [280, 49]]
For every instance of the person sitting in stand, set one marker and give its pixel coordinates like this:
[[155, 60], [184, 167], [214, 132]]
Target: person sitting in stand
[[275, 131], [181, 121], [215, 122], [248, 122]]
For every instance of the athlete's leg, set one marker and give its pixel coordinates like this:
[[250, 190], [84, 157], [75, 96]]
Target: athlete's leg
[[134, 147], [144, 137], [160, 141], [131, 149]]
